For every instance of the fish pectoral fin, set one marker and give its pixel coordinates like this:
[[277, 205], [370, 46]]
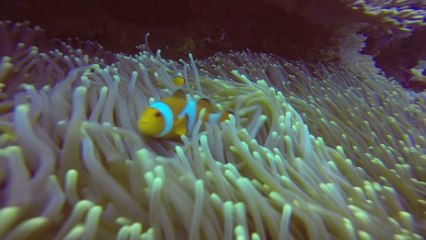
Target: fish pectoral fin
[[180, 126], [181, 130]]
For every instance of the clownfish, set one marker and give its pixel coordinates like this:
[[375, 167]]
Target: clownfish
[[176, 115]]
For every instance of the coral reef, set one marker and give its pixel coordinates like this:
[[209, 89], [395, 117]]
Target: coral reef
[[314, 151], [404, 15], [293, 29]]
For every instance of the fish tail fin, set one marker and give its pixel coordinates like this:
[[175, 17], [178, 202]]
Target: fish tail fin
[[219, 117], [214, 117], [225, 115]]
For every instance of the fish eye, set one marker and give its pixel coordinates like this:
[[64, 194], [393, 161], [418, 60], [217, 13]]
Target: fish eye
[[157, 114]]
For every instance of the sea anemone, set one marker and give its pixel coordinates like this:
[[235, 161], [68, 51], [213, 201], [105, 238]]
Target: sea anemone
[[313, 151]]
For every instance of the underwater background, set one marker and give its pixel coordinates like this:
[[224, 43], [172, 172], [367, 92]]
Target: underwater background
[[326, 139]]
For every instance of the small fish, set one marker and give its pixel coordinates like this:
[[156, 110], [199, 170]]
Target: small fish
[[178, 80], [176, 115]]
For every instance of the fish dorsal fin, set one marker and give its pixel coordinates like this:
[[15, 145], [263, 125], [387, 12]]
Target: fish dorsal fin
[[205, 103], [179, 93], [178, 80]]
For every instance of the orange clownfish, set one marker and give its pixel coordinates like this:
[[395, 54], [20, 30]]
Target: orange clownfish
[[176, 115]]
